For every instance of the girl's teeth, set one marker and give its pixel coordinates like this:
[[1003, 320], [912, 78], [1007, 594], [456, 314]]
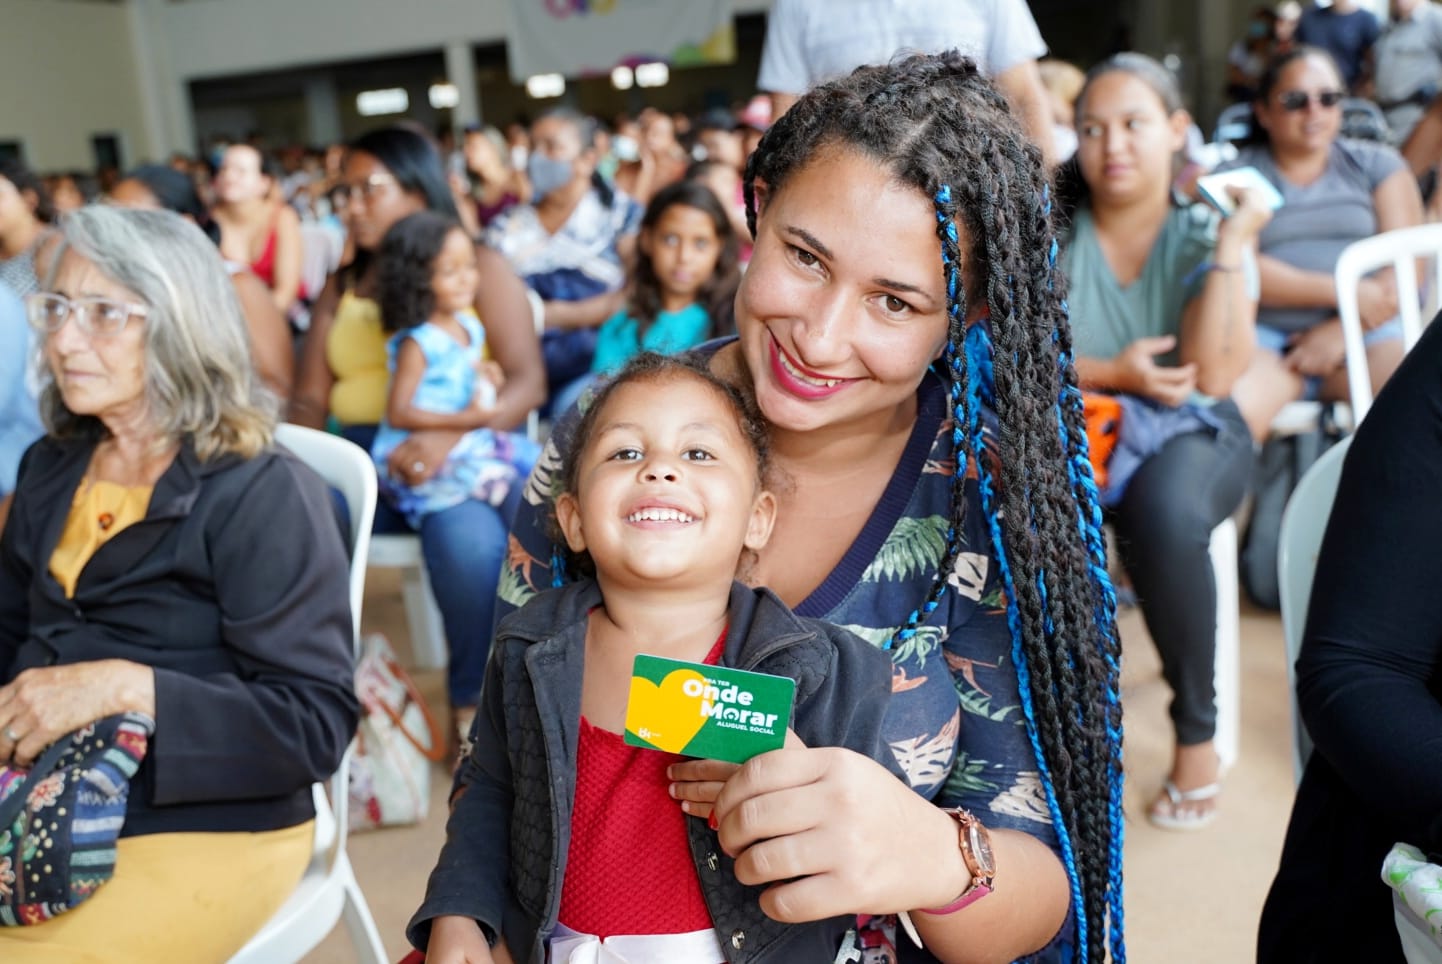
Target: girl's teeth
[[807, 379], [659, 515]]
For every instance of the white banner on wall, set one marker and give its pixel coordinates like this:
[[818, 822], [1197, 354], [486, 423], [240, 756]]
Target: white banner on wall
[[580, 38]]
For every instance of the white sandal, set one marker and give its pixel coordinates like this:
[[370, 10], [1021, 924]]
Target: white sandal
[[1167, 810]]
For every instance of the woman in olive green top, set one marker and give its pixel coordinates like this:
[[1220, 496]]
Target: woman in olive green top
[[1161, 310]]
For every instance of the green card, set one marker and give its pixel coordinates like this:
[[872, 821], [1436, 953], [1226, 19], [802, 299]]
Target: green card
[[706, 711]]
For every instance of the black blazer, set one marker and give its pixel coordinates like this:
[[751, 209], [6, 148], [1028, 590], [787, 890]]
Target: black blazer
[[234, 589]]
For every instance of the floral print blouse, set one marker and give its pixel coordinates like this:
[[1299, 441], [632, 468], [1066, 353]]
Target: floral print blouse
[[955, 721]]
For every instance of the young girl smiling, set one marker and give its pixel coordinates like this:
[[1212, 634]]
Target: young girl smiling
[[566, 836]]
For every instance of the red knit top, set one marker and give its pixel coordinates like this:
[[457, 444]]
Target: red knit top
[[629, 868]]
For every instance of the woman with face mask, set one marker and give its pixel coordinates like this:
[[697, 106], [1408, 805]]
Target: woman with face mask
[[571, 243], [1248, 56]]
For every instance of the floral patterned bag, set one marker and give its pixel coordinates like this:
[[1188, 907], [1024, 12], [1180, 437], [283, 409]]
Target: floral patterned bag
[[60, 818]]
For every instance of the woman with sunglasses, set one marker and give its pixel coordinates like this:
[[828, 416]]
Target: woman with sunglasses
[[1335, 191], [164, 557]]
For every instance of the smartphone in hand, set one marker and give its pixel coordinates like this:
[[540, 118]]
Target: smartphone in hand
[[1213, 188]]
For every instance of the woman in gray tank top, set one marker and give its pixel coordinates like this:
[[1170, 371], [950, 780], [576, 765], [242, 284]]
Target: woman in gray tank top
[[1335, 191]]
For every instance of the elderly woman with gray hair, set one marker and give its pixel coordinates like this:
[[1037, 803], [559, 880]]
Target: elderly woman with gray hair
[[163, 557]]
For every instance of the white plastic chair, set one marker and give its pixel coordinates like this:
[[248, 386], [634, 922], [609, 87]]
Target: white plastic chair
[[1304, 416], [538, 321], [403, 551], [321, 248], [1303, 523], [1361, 119], [1400, 250], [1227, 672], [1234, 123], [1227, 661], [328, 889]]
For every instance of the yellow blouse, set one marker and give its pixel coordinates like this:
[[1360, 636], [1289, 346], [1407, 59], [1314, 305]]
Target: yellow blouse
[[98, 511], [355, 349]]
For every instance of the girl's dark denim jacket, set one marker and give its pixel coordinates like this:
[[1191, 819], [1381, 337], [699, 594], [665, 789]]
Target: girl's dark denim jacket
[[509, 831]]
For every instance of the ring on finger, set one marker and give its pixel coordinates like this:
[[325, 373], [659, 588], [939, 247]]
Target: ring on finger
[[11, 735], [418, 466]]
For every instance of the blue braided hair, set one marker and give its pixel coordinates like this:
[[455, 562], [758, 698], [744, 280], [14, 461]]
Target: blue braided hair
[[940, 127], [972, 392]]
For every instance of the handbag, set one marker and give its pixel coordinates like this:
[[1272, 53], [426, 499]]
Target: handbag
[[1280, 466], [60, 818], [396, 743]]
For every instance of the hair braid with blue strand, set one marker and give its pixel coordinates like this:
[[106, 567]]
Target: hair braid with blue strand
[[938, 126]]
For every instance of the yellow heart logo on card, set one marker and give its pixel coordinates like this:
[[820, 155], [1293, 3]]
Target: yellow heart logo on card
[[666, 716]]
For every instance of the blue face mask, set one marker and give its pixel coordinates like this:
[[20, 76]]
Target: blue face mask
[[548, 174]]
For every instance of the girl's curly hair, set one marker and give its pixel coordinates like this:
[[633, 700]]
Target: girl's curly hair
[[405, 263]]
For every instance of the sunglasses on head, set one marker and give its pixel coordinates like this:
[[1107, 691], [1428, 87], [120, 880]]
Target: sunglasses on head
[[1298, 99]]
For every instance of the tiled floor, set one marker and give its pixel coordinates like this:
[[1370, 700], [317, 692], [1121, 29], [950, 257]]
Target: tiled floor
[[1190, 897]]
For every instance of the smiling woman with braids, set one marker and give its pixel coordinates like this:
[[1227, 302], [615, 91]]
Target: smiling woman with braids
[[902, 328]]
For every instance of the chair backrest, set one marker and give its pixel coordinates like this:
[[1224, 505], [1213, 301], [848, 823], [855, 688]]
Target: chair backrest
[[1303, 523], [1361, 119], [538, 320], [347, 468], [1400, 250], [538, 309], [321, 249], [1234, 123]]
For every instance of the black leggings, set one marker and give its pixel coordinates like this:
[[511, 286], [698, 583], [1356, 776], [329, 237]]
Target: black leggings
[[1164, 524]]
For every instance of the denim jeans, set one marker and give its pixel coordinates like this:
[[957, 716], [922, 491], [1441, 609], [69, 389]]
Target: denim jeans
[[463, 547], [1164, 528]]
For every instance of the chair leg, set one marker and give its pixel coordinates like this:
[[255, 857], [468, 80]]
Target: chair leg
[[362, 926], [1228, 673], [423, 619]]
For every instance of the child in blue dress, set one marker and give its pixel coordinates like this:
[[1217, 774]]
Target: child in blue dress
[[439, 378]]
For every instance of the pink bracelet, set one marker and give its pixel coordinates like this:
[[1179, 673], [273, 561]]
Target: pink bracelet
[[968, 897]]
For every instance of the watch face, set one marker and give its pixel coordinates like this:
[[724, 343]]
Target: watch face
[[981, 848]]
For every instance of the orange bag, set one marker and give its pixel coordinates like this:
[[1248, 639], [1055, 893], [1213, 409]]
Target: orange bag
[[1103, 415]]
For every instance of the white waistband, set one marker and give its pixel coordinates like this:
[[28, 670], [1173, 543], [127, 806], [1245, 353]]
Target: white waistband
[[697, 947]]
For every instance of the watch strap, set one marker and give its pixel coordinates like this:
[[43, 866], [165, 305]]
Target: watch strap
[[971, 895], [981, 879]]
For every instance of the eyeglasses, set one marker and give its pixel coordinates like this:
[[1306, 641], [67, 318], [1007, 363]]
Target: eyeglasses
[[93, 316], [1295, 100], [368, 188]]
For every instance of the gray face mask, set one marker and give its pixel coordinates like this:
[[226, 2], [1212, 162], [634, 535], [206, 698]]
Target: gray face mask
[[548, 174]]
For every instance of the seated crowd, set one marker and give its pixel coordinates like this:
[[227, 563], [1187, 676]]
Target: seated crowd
[[895, 310]]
